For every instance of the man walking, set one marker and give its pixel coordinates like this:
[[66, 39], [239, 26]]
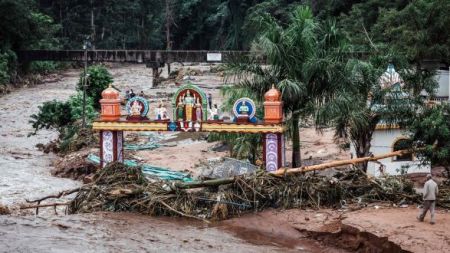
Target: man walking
[[430, 191]]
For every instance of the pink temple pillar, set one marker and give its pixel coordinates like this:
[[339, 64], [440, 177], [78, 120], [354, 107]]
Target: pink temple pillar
[[273, 143], [111, 147], [111, 142]]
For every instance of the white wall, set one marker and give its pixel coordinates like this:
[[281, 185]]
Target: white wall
[[442, 78], [382, 142]]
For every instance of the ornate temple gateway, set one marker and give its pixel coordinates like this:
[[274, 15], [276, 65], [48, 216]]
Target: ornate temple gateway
[[191, 114]]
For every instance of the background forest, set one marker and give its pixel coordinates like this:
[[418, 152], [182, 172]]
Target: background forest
[[418, 28]]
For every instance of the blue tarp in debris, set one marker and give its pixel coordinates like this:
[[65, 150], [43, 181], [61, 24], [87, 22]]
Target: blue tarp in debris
[[148, 146], [153, 142], [162, 173]]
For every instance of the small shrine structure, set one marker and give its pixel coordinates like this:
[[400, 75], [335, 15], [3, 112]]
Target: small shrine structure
[[190, 104], [190, 114]]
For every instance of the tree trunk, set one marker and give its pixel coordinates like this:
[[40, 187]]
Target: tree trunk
[[92, 24], [169, 20], [296, 156], [362, 147]]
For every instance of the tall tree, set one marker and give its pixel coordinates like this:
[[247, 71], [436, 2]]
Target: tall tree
[[303, 58], [371, 96]]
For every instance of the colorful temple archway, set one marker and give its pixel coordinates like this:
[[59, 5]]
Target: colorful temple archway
[[191, 114]]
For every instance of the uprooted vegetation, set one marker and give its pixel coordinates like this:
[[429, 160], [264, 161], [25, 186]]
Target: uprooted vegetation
[[121, 188]]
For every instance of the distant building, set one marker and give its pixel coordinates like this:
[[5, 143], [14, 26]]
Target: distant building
[[388, 138]]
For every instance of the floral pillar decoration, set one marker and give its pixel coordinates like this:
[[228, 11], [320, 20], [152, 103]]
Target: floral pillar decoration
[[111, 142], [274, 149]]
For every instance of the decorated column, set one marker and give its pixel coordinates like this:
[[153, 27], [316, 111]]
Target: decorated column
[[274, 146], [111, 142]]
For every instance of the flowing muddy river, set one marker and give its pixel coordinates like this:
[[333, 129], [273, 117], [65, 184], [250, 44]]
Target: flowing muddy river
[[25, 174]]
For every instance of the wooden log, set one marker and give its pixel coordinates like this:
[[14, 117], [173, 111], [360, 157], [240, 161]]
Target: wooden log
[[204, 183], [287, 171]]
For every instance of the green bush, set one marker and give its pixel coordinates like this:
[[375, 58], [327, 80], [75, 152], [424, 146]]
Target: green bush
[[8, 60], [59, 115], [43, 67], [52, 114], [4, 71], [76, 107], [98, 79]]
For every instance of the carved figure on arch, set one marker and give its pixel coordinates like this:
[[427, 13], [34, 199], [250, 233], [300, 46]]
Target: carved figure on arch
[[190, 104]]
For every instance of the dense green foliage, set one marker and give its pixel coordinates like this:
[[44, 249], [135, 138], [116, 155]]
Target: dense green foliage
[[66, 117], [418, 29], [430, 130], [57, 115], [364, 103], [23, 26], [304, 59], [52, 114], [98, 79]]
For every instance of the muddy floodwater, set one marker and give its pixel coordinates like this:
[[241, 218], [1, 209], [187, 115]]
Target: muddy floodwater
[[24, 170], [25, 174], [125, 232]]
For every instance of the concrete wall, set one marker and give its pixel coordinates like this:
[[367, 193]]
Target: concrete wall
[[382, 143]]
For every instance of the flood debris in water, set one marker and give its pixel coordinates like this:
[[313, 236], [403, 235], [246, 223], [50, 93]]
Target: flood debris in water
[[121, 188], [4, 210]]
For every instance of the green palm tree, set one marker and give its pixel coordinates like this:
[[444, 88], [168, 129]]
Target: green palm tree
[[362, 103], [303, 60]]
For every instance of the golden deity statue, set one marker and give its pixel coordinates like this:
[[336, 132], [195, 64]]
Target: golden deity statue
[[189, 102]]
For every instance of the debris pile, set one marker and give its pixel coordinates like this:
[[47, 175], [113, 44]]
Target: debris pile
[[4, 210], [74, 166], [444, 195], [121, 188]]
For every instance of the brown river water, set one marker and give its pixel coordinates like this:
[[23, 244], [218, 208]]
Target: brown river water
[[25, 174]]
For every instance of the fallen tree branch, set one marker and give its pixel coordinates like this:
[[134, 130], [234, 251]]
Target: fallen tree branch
[[59, 195], [44, 205], [287, 171], [180, 213], [204, 183]]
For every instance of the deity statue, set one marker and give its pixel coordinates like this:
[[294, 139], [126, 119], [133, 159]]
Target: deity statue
[[161, 112], [214, 113], [244, 109], [136, 108], [198, 110], [180, 109], [189, 102]]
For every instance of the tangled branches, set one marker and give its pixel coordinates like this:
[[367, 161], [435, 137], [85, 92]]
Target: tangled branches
[[121, 188]]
